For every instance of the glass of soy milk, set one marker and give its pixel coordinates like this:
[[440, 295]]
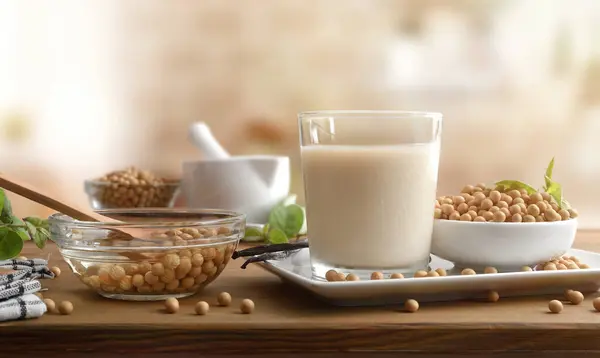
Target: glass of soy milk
[[370, 181]]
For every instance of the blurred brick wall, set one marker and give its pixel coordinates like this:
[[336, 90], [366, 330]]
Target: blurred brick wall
[[237, 65]]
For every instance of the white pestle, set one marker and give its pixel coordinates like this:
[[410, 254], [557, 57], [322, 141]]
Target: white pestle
[[203, 138], [244, 173]]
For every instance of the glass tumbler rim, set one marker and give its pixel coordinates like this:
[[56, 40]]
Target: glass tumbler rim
[[350, 113]]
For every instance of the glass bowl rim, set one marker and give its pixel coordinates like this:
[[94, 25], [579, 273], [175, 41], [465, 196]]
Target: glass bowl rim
[[103, 183], [231, 218]]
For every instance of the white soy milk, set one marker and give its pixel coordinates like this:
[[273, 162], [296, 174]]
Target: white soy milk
[[370, 206]]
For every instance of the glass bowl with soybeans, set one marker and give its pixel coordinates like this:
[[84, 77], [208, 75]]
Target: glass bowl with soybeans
[[509, 224], [131, 188], [148, 254]]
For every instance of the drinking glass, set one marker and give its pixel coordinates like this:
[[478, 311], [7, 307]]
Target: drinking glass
[[370, 180]]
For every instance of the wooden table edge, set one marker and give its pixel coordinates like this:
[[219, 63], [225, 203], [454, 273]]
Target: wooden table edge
[[141, 339]]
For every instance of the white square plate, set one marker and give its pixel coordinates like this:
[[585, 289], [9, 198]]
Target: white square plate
[[296, 269]]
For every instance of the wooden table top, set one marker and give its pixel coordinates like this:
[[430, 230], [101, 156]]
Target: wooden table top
[[288, 319]]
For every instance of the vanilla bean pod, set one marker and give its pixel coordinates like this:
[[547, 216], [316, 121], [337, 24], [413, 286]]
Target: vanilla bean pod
[[268, 256], [264, 249]]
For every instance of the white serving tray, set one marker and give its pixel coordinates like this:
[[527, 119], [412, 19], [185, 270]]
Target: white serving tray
[[296, 269]]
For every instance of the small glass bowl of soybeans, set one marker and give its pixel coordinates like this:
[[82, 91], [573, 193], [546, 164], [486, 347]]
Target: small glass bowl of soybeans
[[149, 254], [131, 188], [502, 227]]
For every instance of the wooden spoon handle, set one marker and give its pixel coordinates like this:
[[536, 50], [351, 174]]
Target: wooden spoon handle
[[20, 188]]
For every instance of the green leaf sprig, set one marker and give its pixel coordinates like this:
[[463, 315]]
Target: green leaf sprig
[[14, 231], [515, 184], [551, 187], [287, 220]]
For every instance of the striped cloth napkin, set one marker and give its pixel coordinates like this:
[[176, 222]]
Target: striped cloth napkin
[[17, 288]]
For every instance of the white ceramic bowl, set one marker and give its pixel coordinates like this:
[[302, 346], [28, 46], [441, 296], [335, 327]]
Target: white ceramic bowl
[[502, 245], [252, 185]]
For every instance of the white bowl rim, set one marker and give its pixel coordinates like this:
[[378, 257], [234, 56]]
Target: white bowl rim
[[493, 223]]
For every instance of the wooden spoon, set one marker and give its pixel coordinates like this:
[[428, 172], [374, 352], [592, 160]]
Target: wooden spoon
[[20, 188], [27, 191]]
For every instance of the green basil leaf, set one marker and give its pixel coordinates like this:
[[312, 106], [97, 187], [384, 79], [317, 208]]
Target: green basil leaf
[[23, 234], [40, 239], [11, 245], [289, 200], [515, 184], [288, 219], [21, 231], [266, 229], [37, 222], [31, 230], [252, 234], [548, 176], [555, 191], [277, 217], [253, 231], [6, 212], [44, 232], [295, 220], [43, 235], [277, 236]]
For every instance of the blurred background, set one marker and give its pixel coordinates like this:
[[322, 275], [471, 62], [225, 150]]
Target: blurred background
[[87, 87]]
